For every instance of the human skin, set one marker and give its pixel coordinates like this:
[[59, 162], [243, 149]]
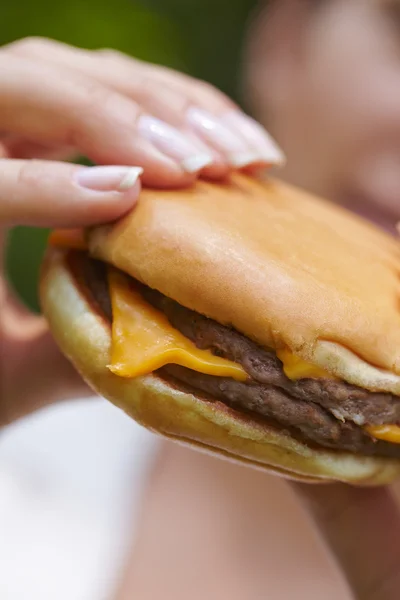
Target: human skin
[[368, 555], [324, 78], [57, 102]]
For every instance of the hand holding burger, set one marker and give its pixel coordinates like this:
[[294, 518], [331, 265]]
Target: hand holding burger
[[57, 102], [323, 422]]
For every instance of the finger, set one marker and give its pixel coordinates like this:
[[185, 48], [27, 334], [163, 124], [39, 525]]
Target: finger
[[18, 147], [191, 105], [51, 194], [362, 528], [215, 118], [54, 107], [167, 105]]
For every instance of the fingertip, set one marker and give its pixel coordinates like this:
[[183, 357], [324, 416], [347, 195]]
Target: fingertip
[[109, 178], [125, 200], [216, 172], [110, 190], [152, 178]]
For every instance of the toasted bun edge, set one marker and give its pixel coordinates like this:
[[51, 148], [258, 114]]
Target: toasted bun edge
[[84, 337]]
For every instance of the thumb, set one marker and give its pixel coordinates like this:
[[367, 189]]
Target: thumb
[[56, 194]]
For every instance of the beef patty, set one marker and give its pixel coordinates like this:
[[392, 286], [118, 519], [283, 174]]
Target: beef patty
[[323, 412]]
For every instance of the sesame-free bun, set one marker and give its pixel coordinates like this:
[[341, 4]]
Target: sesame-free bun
[[284, 268], [84, 335]]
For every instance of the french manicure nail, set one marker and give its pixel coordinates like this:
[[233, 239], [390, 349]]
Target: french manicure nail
[[210, 128], [241, 144], [257, 137], [243, 159], [109, 178], [174, 144]]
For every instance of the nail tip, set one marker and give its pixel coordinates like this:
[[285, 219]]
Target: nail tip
[[194, 164], [260, 139], [131, 178], [249, 158], [278, 160], [244, 159]]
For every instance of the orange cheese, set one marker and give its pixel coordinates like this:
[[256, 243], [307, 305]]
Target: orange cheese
[[296, 368], [68, 238], [388, 433], [160, 343], [143, 340]]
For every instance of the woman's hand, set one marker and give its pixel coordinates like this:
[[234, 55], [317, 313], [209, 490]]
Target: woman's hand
[[116, 110], [362, 529], [133, 119]]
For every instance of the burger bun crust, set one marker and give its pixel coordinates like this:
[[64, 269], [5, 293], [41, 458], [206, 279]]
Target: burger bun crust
[[84, 336]]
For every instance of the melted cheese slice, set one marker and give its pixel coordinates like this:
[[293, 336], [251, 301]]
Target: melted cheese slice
[[296, 368], [130, 312], [143, 340], [388, 433]]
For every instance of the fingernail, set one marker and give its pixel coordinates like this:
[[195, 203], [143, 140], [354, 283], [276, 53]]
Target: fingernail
[[243, 159], [175, 144], [238, 148], [257, 137], [108, 179]]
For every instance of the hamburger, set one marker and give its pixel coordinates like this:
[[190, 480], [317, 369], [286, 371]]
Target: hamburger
[[246, 318]]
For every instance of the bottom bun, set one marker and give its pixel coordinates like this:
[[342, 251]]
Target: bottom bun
[[85, 337]]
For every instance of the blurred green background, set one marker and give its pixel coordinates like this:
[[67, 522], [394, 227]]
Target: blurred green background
[[200, 37]]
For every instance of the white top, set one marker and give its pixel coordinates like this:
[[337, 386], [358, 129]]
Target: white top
[[71, 477]]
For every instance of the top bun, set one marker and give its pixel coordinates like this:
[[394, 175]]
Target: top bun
[[284, 268]]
